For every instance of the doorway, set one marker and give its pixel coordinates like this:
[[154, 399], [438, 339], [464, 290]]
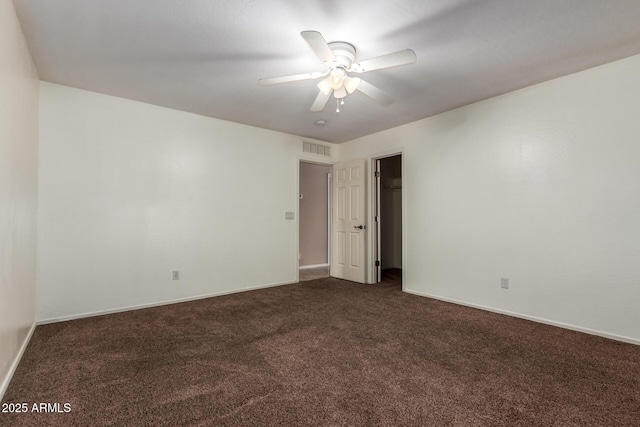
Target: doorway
[[314, 193], [388, 218]]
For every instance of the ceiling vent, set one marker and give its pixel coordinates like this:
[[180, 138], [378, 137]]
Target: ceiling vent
[[311, 148]]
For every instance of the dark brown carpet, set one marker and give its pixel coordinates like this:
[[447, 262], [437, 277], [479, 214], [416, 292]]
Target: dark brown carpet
[[326, 352]]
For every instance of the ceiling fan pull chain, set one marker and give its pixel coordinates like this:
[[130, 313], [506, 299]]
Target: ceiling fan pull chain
[[337, 105]]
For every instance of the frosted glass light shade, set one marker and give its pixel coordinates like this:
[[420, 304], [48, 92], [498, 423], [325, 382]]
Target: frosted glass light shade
[[351, 84], [336, 78]]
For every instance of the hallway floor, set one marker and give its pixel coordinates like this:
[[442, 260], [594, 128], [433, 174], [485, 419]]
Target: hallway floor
[[313, 273]]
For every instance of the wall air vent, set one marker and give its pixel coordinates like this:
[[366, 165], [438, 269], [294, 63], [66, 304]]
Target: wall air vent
[[311, 148]]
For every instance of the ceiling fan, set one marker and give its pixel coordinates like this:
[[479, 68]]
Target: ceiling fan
[[338, 58]]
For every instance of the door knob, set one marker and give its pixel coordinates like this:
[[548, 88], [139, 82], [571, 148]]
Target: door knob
[[359, 227]]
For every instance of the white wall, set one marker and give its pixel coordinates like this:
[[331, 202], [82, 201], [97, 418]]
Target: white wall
[[131, 191], [18, 191], [542, 186]]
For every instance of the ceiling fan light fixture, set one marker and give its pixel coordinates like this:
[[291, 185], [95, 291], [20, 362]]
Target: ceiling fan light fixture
[[340, 93], [351, 84], [336, 78]]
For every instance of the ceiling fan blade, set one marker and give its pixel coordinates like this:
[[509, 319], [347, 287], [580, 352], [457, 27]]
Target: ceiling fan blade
[[319, 45], [402, 57], [374, 93], [321, 101], [291, 78]]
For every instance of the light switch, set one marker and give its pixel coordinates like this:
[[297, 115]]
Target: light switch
[[288, 215]]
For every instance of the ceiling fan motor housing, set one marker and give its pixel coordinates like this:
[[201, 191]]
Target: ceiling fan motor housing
[[345, 53]]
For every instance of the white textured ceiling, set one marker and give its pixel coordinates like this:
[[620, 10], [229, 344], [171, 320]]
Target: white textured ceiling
[[206, 56]]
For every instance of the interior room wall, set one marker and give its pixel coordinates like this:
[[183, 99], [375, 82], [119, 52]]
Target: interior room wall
[[18, 191], [391, 211], [539, 186], [314, 207], [130, 192]]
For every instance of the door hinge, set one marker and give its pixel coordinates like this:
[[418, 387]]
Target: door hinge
[[377, 174], [377, 263], [376, 218]]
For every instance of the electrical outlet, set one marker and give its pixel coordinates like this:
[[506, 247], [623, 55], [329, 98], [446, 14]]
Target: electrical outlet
[[176, 275], [288, 215], [504, 282]]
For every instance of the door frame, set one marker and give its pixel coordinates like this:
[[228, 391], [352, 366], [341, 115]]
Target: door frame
[[313, 160], [372, 190]]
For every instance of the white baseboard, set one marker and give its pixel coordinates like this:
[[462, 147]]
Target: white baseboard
[[16, 362], [158, 304], [531, 318], [304, 267]]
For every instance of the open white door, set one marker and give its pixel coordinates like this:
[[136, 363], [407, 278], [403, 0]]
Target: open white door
[[348, 221]]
